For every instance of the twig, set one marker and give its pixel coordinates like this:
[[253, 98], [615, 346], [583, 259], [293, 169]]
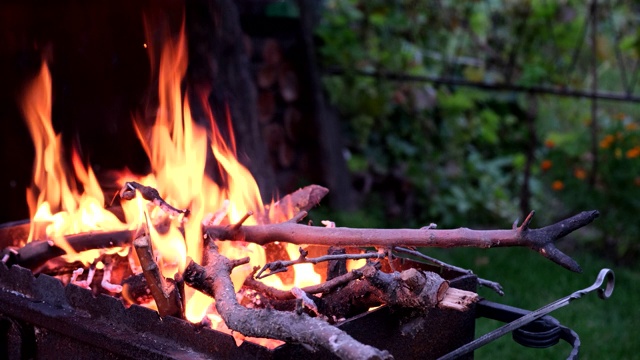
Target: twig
[[106, 280], [483, 282], [327, 286], [36, 253], [214, 280], [83, 283], [282, 265], [128, 192], [304, 299]]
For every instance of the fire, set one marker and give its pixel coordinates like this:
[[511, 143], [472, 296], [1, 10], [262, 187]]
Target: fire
[[178, 148], [56, 204]]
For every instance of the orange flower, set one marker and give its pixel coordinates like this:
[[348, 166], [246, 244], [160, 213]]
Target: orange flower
[[631, 126], [620, 116], [557, 185], [579, 173], [634, 152], [636, 181], [549, 144], [607, 141], [546, 165]]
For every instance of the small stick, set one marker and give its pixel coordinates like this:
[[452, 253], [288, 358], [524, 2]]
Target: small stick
[[277, 294], [165, 294], [280, 266], [483, 282], [106, 280], [128, 192]]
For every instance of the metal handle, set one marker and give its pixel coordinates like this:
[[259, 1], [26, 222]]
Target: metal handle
[[604, 293]]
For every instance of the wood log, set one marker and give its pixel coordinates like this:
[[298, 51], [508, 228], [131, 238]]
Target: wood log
[[292, 123], [271, 52], [288, 83], [266, 106], [267, 75]]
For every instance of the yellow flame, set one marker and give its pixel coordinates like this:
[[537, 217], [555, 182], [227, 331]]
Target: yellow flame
[[177, 148], [55, 203]]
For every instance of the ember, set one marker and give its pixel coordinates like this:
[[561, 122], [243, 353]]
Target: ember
[[187, 239]]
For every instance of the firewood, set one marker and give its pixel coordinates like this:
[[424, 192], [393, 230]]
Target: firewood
[[149, 193], [271, 52], [303, 199], [337, 267], [36, 253], [293, 123], [541, 240], [288, 83], [267, 75], [214, 280], [286, 155], [164, 292], [273, 136]]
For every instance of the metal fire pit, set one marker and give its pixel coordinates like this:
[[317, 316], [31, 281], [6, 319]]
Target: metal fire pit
[[41, 318]]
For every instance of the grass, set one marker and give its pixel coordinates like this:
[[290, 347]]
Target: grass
[[607, 329]]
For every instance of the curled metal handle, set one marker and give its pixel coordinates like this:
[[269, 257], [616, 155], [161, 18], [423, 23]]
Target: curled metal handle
[[606, 279]]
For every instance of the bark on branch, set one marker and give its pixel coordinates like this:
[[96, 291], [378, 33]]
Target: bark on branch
[[541, 240], [214, 280], [344, 296]]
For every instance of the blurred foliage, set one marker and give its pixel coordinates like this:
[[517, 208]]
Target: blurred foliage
[[616, 192], [428, 152]]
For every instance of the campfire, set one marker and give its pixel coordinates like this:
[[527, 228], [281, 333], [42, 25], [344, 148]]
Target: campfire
[[197, 242]]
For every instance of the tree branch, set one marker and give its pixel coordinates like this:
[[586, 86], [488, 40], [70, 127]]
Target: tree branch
[[541, 240]]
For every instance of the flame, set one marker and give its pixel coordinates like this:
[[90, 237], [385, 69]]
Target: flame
[[56, 205], [178, 148]]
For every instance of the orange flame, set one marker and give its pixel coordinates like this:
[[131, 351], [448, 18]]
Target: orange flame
[[177, 148], [57, 207]]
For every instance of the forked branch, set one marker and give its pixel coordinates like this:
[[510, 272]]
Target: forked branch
[[541, 240]]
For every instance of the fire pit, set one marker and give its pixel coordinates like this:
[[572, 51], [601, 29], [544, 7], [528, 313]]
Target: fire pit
[[41, 318]]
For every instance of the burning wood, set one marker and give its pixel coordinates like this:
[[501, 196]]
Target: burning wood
[[541, 240], [164, 292], [213, 279]]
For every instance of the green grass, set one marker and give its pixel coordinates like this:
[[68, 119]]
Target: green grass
[[607, 329]]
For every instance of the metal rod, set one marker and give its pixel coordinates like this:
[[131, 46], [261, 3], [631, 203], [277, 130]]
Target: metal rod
[[604, 285]]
